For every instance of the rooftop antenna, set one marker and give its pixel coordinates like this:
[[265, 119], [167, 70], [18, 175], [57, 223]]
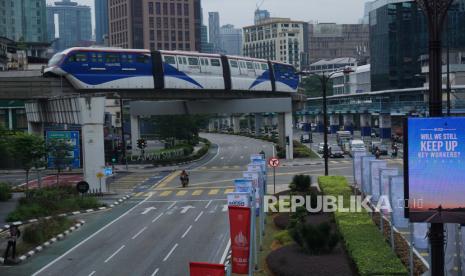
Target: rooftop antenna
[[259, 4]]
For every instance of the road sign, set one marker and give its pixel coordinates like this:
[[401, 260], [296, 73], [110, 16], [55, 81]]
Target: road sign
[[100, 175], [82, 187], [108, 171], [273, 162]]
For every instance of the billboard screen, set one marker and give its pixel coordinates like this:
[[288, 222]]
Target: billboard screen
[[72, 137], [435, 178]]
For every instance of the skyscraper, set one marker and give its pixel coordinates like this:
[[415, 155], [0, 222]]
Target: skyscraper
[[230, 40], [23, 20], [214, 29], [261, 15], [74, 24], [101, 20], [155, 24]]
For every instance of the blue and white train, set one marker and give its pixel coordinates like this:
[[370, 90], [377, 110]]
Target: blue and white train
[[113, 68]]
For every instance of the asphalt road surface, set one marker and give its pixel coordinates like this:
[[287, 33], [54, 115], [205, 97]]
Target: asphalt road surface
[[166, 226]]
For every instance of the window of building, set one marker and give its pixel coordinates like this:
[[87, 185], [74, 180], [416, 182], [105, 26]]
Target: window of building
[[215, 62], [158, 8], [152, 35], [186, 9], [172, 12], [173, 23], [150, 7], [179, 8], [165, 8], [170, 60], [187, 35], [152, 22], [158, 22]]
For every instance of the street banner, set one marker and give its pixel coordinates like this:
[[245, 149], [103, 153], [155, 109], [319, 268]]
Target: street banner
[[384, 176], [435, 175], [366, 173], [243, 186], [260, 162], [420, 235], [206, 269], [239, 199], [375, 167], [254, 168], [256, 156], [396, 198], [357, 164], [239, 222], [256, 182]]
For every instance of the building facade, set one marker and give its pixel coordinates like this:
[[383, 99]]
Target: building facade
[[214, 29], [23, 20], [279, 39], [337, 64], [330, 41], [399, 42], [205, 45], [230, 40], [69, 24], [101, 21], [355, 82], [261, 15], [155, 24]]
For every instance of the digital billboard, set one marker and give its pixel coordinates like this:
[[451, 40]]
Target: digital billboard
[[72, 137], [435, 166]]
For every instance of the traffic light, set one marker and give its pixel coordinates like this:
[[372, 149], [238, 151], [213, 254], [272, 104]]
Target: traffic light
[[141, 144]]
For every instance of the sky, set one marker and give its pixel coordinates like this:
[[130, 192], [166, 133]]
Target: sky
[[240, 12]]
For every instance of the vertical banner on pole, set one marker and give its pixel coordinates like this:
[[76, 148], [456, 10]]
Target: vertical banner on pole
[[450, 254], [203, 269], [240, 226], [357, 167], [366, 173], [375, 167], [396, 197]]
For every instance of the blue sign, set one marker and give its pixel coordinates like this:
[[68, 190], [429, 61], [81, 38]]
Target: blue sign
[[72, 137], [435, 182], [108, 171], [243, 185]]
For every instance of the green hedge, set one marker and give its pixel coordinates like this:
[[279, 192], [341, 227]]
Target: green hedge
[[365, 244], [5, 192], [192, 157], [40, 232]]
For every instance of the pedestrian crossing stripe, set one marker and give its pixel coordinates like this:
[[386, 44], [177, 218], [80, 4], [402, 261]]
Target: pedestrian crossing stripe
[[213, 191], [227, 191], [139, 194], [181, 193], [166, 193], [197, 192]]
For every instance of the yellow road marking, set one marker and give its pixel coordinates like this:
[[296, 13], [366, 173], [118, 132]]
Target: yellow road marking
[[214, 167], [213, 191], [168, 179], [227, 191], [181, 193], [197, 192], [139, 194], [166, 193]]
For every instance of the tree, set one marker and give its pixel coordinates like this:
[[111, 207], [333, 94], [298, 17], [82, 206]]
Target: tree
[[312, 87], [60, 152], [29, 150], [179, 127]]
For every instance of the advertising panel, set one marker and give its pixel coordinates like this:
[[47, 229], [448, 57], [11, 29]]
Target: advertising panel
[[435, 174], [243, 185], [239, 199], [72, 137], [384, 176], [375, 167], [357, 163], [366, 173], [396, 198], [239, 221], [204, 269]]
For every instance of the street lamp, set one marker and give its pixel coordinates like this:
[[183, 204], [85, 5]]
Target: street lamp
[[324, 80], [436, 13]]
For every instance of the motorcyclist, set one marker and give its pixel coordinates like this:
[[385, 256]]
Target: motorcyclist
[[184, 177]]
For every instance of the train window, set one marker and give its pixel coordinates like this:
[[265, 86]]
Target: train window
[[193, 61], [204, 61], [112, 58], [71, 58], [249, 65], [233, 63], [257, 66], [170, 60], [180, 61], [242, 64], [81, 57], [126, 58], [215, 62], [264, 66], [142, 59]]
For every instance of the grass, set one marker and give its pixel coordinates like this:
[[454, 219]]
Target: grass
[[302, 151], [364, 243], [5, 192]]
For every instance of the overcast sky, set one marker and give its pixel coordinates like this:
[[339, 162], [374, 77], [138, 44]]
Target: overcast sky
[[240, 12]]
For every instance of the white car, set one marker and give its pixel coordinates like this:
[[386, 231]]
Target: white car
[[356, 145]]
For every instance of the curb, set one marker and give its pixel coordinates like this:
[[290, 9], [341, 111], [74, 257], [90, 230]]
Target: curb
[[19, 223], [46, 244]]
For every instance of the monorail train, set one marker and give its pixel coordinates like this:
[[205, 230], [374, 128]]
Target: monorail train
[[113, 68]]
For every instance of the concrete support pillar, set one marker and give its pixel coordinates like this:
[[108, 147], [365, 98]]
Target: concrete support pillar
[[365, 125], [135, 133], [385, 126], [258, 123], [35, 128], [92, 121], [285, 133], [274, 120], [236, 124], [218, 124], [348, 122], [334, 123], [211, 125], [319, 123]]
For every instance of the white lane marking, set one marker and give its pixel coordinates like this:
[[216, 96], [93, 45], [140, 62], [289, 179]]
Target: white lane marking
[[208, 204], [187, 200], [114, 254], [138, 233], [171, 252], [197, 218], [187, 231], [171, 206], [225, 253], [155, 219], [214, 157], [155, 272], [92, 273], [222, 157], [88, 238]]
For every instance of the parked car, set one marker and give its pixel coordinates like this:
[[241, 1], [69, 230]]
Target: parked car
[[321, 148], [335, 151], [306, 138]]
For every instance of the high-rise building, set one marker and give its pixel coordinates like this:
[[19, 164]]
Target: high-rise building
[[399, 42], [69, 24], [328, 41], [214, 29], [230, 40], [205, 46], [279, 39], [261, 15], [101, 21], [23, 20], [155, 24]]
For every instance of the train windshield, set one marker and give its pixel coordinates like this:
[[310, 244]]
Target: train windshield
[[55, 60]]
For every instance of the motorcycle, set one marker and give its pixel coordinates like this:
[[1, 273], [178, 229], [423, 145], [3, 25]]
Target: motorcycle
[[184, 181]]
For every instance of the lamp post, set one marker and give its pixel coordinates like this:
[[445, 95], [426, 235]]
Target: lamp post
[[324, 80], [436, 13]]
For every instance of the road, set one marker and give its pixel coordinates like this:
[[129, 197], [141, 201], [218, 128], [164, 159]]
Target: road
[[166, 226]]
